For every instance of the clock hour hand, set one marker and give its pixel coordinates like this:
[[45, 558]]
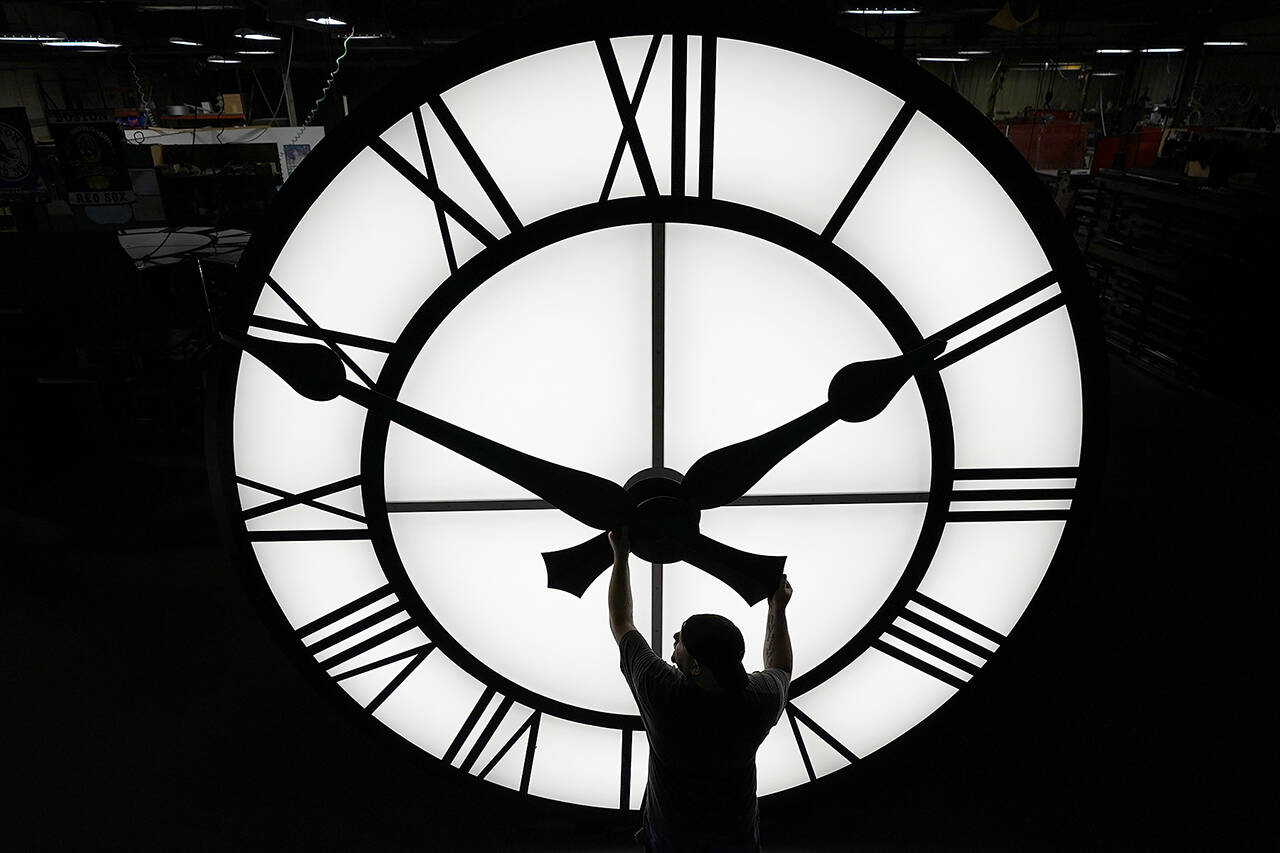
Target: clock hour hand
[[858, 392], [315, 372]]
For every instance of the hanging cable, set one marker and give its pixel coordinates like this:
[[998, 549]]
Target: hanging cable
[[328, 86], [144, 103]]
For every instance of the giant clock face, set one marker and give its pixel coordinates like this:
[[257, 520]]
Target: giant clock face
[[618, 246]]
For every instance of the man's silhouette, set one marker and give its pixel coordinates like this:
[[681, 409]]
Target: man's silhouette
[[705, 717]]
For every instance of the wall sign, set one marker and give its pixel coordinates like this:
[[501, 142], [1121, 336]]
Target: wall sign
[[91, 150], [616, 245]]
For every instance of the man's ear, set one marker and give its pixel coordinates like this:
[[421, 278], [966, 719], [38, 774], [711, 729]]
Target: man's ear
[[695, 667]]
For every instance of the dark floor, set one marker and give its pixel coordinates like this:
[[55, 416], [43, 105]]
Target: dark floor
[[147, 708]]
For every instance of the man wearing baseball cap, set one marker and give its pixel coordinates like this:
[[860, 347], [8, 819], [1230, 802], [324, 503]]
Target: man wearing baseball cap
[[705, 717]]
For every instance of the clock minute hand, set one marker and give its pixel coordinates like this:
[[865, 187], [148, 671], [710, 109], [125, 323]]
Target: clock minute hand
[[316, 373], [858, 392]]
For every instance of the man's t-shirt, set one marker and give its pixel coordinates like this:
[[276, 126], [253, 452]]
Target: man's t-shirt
[[702, 745]]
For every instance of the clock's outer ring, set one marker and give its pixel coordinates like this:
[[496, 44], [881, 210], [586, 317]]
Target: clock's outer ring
[[628, 211], [776, 27]]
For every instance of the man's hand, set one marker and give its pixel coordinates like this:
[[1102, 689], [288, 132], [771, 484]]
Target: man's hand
[[777, 639], [620, 620], [621, 542], [781, 595]]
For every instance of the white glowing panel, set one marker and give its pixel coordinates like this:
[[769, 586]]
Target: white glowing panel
[[873, 701], [779, 765], [754, 336], [545, 126], [1017, 402], [842, 561], [587, 767], [990, 570], [370, 232], [430, 708], [551, 357], [939, 231], [311, 579], [483, 577], [639, 768], [287, 441], [779, 144]]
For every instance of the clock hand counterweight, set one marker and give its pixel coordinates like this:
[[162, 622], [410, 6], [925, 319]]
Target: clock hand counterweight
[[316, 373]]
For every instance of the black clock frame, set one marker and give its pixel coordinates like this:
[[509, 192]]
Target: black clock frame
[[799, 33]]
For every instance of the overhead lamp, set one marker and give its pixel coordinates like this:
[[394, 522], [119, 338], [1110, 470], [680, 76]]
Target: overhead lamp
[[941, 59], [363, 36], [973, 52], [33, 37], [1162, 50], [189, 7], [179, 40], [882, 11], [1113, 50], [254, 35], [325, 20], [255, 53], [1105, 74], [223, 60], [79, 43], [1225, 43]]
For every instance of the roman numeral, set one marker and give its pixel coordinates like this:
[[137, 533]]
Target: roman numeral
[[706, 113], [413, 657], [628, 108], [1013, 502], [309, 328], [385, 620], [310, 498], [486, 735], [869, 170], [432, 190], [473, 161], [1023, 297], [441, 219], [797, 718], [924, 640]]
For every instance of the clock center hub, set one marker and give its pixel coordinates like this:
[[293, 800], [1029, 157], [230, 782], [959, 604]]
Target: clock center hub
[[663, 520]]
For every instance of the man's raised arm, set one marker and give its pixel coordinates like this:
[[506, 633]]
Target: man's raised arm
[[620, 617], [777, 640]]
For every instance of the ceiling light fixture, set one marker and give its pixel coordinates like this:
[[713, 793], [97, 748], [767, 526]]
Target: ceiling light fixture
[[255, 53], [1106, 74], [223, 60], [941, 59], [362, 36], [254, 35], [79, 43], [1225, 43], [33, 37], [1113, 50], [882, 11], [184, 42], [1162, 50], [325, 20], [973, 52]]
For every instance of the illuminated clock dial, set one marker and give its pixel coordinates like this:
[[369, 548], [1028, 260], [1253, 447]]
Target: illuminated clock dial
[[619, 245]]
